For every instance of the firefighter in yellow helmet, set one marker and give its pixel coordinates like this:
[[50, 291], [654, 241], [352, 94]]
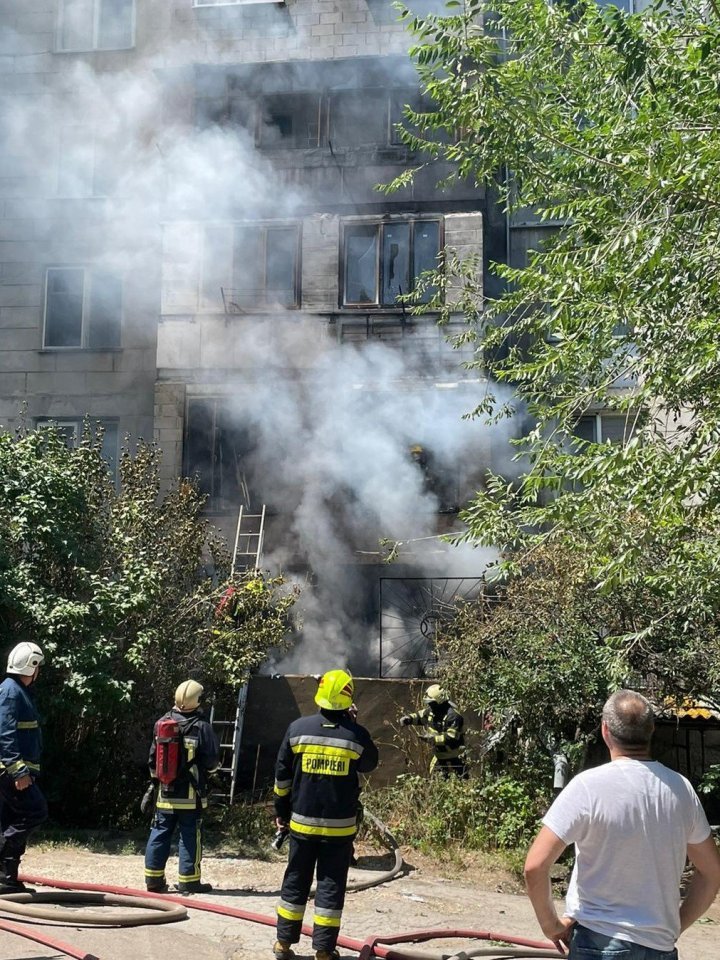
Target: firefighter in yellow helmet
[[445, 725], [316, 799]]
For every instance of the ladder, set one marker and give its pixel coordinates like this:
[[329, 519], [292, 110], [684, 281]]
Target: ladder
[[249, 537], [229, 733]]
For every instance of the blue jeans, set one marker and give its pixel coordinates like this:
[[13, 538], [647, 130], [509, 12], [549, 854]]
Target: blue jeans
[[586, 945]]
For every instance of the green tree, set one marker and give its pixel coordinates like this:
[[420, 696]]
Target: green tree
[[127, 591], [609, 125]]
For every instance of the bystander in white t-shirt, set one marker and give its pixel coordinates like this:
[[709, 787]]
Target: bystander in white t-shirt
[[631, 822]]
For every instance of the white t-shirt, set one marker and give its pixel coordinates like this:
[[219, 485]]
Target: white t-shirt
[[631, 822]]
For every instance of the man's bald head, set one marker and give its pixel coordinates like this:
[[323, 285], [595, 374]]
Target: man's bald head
[[629, 718]]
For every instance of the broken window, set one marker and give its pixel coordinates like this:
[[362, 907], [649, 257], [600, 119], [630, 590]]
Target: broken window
[[359, 117], [381, 262], [72, 430], [96, 25], [248, 266], [290, 120], [217, 453], [83, 308]]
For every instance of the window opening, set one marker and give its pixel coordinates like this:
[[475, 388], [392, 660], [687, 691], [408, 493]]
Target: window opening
[[359, 117], [249, 266], [290, 120], [96, 25], [71, 430], [83, 308], [383, 261], [217, 454], [605, 428]]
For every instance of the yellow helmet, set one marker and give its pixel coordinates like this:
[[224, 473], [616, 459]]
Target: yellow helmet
[[335, 690], [436, 694], [187, 695]]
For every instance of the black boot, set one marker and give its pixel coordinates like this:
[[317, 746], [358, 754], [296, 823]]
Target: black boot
[[194, 886], [9, 882]]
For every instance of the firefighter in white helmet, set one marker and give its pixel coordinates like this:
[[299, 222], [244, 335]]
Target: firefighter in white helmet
[[183, 753], [23, 804], [316, 798], [444, 723]]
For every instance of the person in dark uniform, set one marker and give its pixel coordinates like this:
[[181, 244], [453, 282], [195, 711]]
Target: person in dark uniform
[[316, 798], [445, 731], [180, 804], [22, 805]]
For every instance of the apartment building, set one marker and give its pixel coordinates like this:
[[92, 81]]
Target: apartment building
[[193, 249]]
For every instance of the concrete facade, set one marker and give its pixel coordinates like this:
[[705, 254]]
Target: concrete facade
[[142, 132]]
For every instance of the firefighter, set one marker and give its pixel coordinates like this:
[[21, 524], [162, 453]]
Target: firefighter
[[180, 803], [316, 799], [22, 805], [445, 731]]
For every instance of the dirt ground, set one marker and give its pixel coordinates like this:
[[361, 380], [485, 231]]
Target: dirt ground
[[427, 895]]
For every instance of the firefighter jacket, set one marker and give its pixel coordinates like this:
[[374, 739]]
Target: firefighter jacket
[[316, 775], [20, 736], [199, 758], [446, 730]]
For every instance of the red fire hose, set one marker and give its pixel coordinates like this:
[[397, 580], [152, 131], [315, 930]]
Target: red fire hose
[[371, 947], [46, 941]]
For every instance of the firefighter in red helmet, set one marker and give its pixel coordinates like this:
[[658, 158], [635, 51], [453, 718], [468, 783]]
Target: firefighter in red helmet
[[316, 799], [184, 752]]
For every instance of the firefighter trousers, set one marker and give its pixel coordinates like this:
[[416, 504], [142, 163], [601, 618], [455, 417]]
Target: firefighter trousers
[[20, 812], [164, 825], [331, 859]]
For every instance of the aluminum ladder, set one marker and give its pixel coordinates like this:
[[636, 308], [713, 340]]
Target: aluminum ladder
[[249, 537], [230, 743]]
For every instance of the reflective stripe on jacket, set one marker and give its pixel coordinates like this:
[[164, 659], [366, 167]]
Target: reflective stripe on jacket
[[202, 756], [20, 736], [316, 775], [447, 731]]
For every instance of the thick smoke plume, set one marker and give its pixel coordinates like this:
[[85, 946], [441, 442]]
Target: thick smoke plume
[[333, 427]]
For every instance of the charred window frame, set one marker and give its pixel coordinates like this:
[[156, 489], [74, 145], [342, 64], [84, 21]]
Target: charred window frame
[[289, 121], [95, 25], [251, 266], [215, 453], [83, 309], [381, 261], [72, 429]]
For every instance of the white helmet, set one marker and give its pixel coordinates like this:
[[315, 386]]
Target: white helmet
[[25, 658], [187, 695]]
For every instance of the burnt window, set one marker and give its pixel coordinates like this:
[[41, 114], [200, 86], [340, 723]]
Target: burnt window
[[290, 120], [382, 261], [358, 117], [96, 25], [248, 266], [83, 308], [217, 453]]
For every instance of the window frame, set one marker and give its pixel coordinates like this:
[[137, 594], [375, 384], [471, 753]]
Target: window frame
[[97, 4], [77, 423], [263, 227], [599, 434], [89, 275], [380, 224]]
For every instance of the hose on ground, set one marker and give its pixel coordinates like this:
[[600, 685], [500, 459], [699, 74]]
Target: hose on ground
[[57, 945], [384, 833], [372, 947], [141, 914]]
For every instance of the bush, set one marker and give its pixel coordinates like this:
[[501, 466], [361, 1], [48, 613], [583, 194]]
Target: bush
[[126, 590], [435, 813]]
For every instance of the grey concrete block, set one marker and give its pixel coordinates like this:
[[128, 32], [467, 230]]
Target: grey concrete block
[[21, 295], [14, 317]]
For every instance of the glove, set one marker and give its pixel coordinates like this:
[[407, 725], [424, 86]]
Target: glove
[[147, 804], [405, 721]]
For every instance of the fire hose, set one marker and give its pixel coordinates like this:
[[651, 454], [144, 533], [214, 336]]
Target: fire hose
[[163, 908]]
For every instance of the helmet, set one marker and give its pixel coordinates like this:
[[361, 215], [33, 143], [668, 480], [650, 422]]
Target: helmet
[[24, 658], [436, 694], [335, 690], [187, 695]]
